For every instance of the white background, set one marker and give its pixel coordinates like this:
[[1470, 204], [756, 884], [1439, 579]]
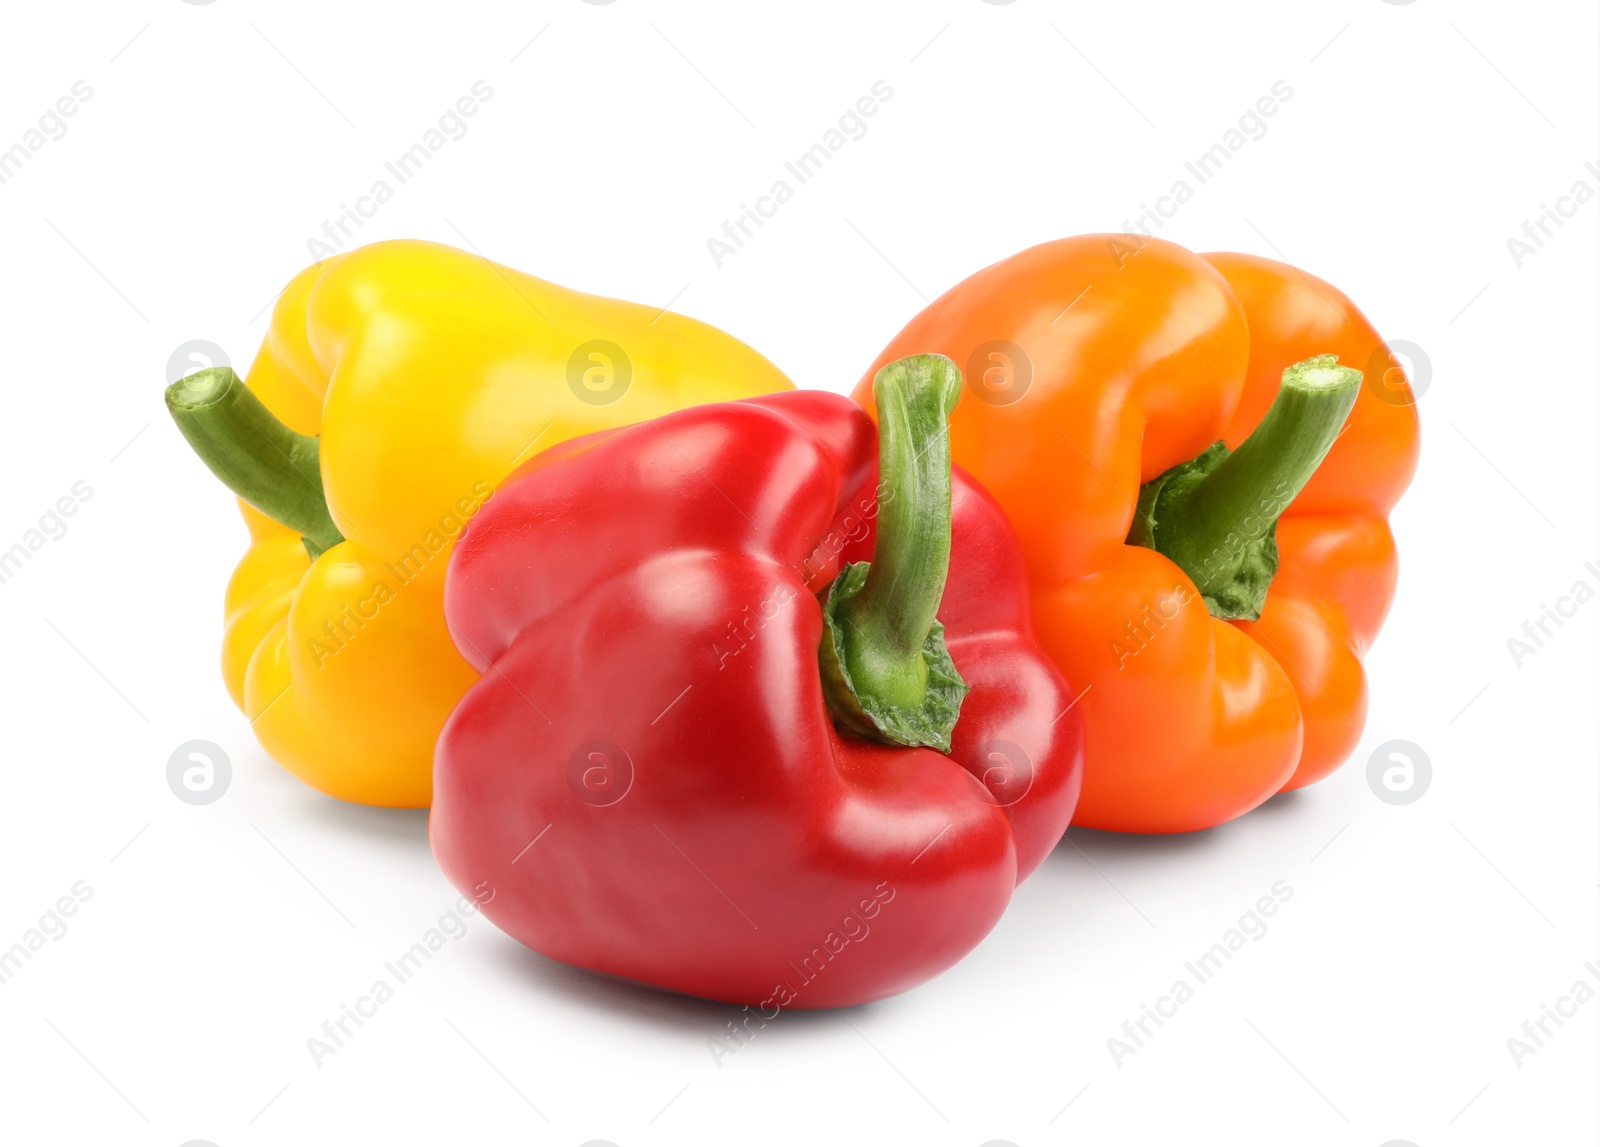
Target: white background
[[220, 136]]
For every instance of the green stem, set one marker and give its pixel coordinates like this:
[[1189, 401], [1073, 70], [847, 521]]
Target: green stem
[[886, 672], [1216, 516], [257, 457]]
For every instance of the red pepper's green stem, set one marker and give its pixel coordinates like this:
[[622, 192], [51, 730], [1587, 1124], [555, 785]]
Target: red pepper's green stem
[[1216, 516], [896, 608], [257, 457], [886, 672]]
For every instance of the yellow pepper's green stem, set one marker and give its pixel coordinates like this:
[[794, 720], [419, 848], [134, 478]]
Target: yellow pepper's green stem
[[257, 457], [886, 673]]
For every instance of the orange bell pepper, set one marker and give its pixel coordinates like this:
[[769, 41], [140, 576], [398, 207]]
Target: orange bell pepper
[[1103, 362]]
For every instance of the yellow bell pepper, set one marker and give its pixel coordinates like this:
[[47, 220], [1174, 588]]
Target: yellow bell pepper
[[397, 386]]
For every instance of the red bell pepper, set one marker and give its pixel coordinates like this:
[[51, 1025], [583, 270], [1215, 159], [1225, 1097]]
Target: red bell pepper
[[683, 769]]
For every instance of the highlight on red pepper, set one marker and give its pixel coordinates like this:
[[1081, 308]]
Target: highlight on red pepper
[[1201, 484], [757, 723]]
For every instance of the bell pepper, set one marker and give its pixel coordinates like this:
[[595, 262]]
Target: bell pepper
[[1203, 510], [683, 767], [397, 386]]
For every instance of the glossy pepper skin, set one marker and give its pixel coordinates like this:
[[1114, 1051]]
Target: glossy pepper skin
[[428, 374], [1103, 361], [647, 775]]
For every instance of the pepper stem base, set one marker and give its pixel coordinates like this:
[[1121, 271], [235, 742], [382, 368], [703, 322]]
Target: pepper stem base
[[927, 721], [1216, 516]]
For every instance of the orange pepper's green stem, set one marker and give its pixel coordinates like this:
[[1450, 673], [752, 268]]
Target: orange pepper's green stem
[[886, 673], [1216, 516], [257, 457]]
